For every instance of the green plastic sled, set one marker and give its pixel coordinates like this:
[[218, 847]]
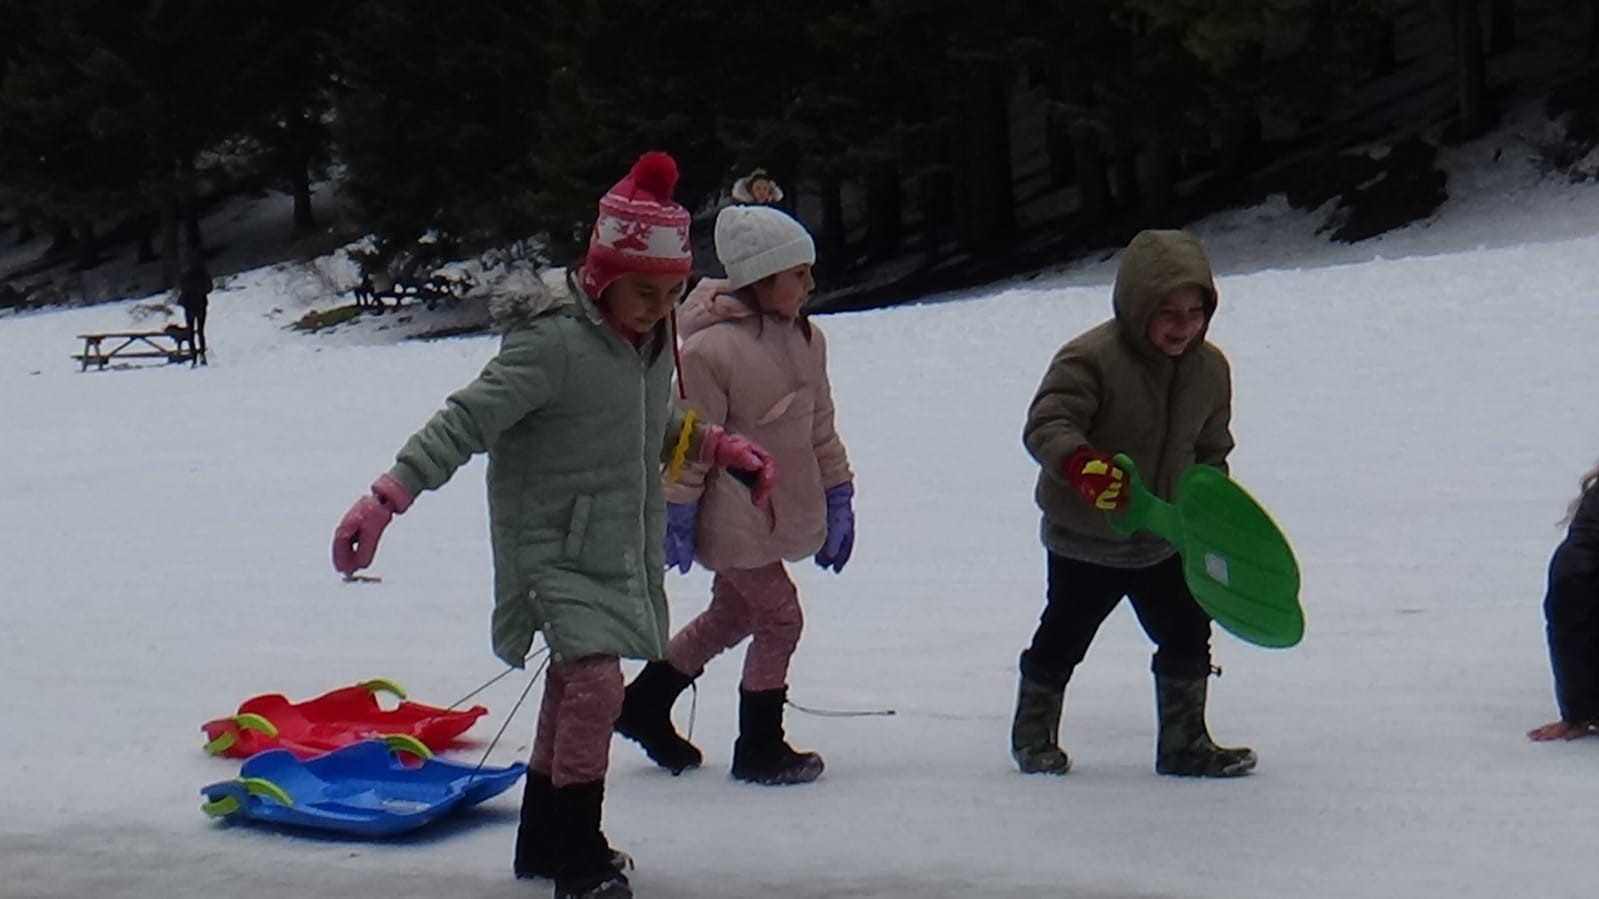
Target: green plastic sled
[[1236, 560]]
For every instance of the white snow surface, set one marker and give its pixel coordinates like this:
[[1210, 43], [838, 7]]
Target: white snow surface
[[1415, 411]]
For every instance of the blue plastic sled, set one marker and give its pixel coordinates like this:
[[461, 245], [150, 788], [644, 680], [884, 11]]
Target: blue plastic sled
[[362, 789]]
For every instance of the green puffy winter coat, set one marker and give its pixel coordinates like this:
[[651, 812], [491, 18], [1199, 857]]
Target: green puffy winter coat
[[577, 424]]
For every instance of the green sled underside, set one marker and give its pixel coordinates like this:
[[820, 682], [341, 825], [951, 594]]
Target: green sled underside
[[1236, 560]]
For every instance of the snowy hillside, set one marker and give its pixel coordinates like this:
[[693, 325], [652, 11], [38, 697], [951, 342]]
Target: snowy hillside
[[1416, 422]]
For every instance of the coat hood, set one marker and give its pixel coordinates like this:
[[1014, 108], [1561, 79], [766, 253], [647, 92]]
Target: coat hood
[[525, 296], [710, 303], [1154, 264]]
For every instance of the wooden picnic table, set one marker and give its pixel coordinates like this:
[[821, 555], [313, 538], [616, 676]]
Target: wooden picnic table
[[173, 345]]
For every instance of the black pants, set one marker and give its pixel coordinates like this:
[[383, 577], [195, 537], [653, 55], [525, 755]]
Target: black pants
[[1082, 595], [196, 324], [1571, 617]]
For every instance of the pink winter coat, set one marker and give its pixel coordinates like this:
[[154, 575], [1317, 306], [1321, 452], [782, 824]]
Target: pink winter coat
[[758, 376]]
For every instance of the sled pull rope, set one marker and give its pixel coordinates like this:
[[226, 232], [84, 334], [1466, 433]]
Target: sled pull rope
[[514, 709], [491, 682], [842, 713], [693, 708]]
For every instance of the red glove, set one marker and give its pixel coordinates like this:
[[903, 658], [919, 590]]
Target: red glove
[[1097, 479]]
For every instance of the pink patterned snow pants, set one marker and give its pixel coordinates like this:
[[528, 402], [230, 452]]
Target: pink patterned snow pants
[[754, 602], [582, 699]]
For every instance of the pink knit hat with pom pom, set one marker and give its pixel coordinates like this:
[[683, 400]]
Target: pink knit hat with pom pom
[[639, 229]]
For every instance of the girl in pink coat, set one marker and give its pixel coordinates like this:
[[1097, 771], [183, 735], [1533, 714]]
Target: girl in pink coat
[[754, 364]]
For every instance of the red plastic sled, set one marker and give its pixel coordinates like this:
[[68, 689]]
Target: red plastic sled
[[344, 716]]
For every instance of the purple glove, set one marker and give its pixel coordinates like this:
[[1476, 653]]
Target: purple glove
[[355, 540], [680, 535], [840, 527]]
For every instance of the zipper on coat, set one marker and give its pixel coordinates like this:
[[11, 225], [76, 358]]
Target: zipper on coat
[[642, 550], [1165, 432]]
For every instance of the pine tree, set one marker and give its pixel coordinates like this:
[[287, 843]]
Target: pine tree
[[436, 113]]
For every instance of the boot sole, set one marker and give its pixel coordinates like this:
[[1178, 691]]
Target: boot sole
[[1237, 769], [620, 860], [1057, 770], [653, 757], [805, 774]]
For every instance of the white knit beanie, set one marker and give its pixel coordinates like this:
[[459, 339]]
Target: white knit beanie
[[754, 242]]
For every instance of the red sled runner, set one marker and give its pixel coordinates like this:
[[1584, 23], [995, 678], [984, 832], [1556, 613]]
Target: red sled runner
[[333, 720]]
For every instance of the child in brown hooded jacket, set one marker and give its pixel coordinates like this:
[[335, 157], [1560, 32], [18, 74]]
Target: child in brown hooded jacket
[[1148, 384]]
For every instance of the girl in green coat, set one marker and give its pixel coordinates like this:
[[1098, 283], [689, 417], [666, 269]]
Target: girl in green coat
[[576, 416]]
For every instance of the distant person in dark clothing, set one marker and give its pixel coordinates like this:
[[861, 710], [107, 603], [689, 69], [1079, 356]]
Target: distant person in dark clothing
[[194, 295], [1571, 614]]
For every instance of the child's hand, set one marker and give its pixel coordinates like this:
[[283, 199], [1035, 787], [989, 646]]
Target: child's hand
[[840, 542], [1559, 730], [680, 535], [725, 449], [1097, 479], [355, 540]]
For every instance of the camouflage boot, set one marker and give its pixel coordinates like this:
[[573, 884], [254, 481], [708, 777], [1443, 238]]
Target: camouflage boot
[[1184, 747], [1035, 732]]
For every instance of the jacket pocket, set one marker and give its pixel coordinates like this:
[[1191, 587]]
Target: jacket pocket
[[778, 409], [578, 527]]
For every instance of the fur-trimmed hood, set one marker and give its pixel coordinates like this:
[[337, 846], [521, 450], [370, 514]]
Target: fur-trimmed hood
[[524, 296]]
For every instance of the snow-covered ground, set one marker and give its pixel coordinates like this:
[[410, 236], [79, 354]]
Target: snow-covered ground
[[1416, 422]]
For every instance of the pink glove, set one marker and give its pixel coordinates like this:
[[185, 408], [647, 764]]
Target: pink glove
[[355, 540], [740, 455]]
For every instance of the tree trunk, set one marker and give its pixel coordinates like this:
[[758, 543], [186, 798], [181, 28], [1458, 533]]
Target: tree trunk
[[1593, 28], [88, 246], [1156, 167], [835, 240], [143, 245], [1471, 69], [1087, 157], [1384, 57], [885, 227], [193, 240], [1237, 143], [990, 220], [1240, 132], [937, 193], [61, 239], [170, 234], [304, 217], [1058, 138], [1501, 25], [1093, 181], [1127, 177]]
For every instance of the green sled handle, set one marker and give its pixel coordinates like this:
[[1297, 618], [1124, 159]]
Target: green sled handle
[[1236, 560], [246, 721], [232, 798], [383, 685]]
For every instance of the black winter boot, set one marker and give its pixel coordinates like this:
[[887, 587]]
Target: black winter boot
[[1035, 731], [647, 717], [1184, 747], [535, 836], [761, 755], [585, 862]]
